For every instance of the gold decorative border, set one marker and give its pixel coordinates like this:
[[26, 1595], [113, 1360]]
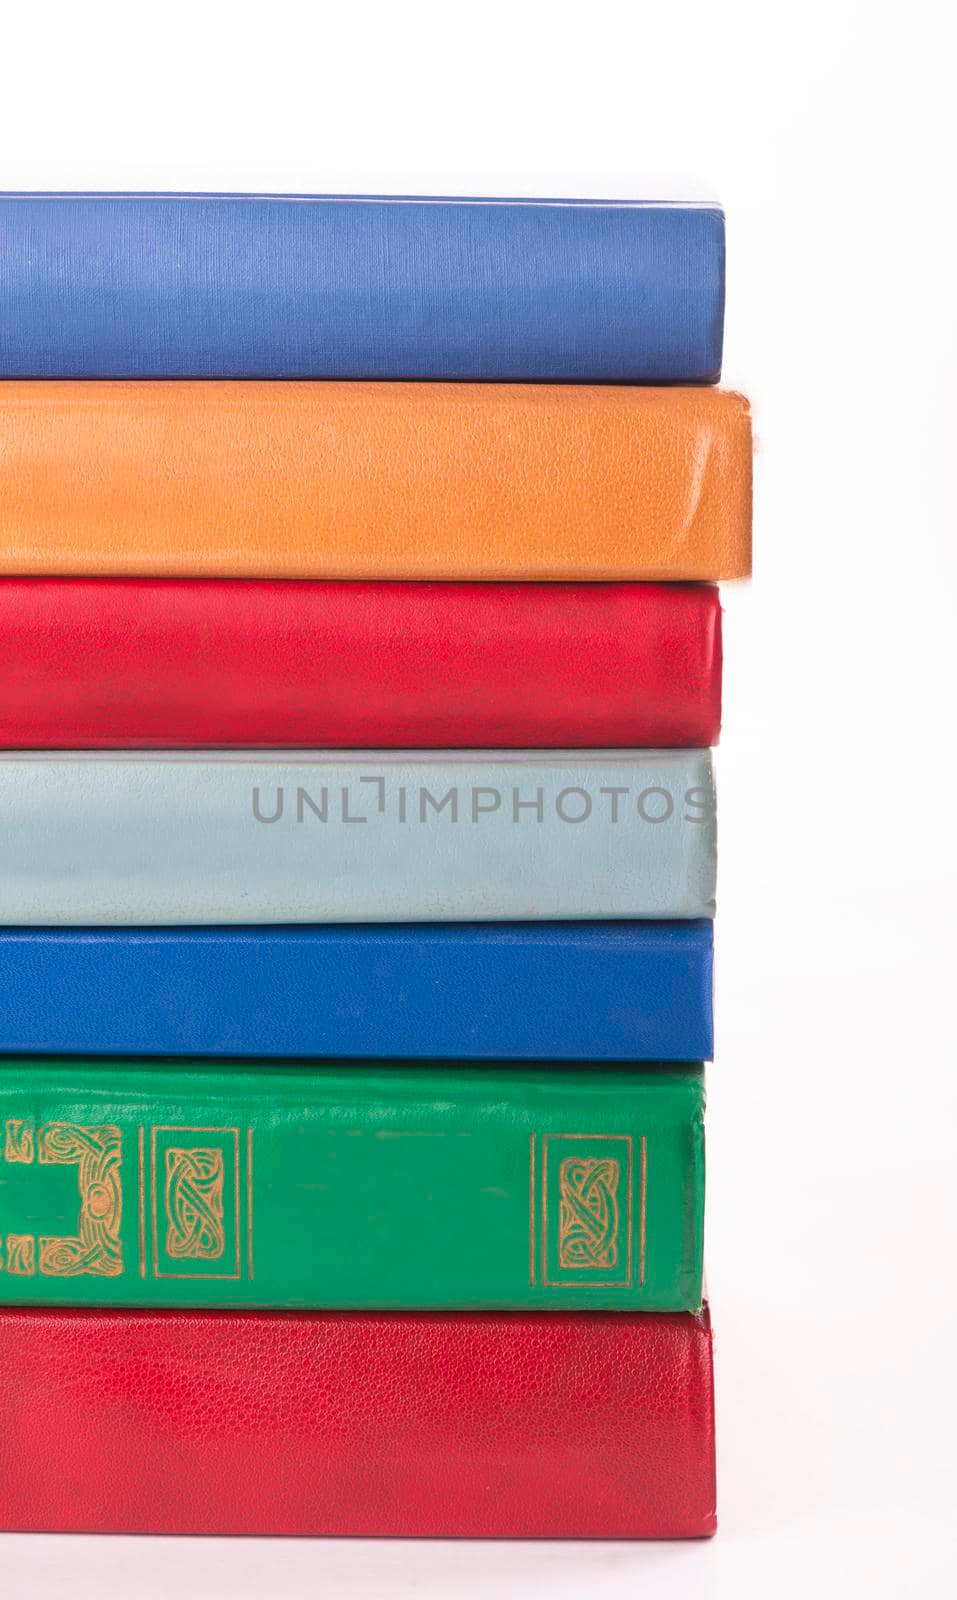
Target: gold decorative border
[[249, 1203], [201, 1276], [141, 1193], [538, 1196], [531, 1210], [642, 1210]]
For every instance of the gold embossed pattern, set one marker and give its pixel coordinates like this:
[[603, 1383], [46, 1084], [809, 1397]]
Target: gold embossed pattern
[[96, 1248], [583, 1209], [588, 1213], [194, 1204], [21, 1254], [18, 1141]]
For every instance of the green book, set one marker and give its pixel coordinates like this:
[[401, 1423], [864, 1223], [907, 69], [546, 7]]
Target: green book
[[350, 1186]]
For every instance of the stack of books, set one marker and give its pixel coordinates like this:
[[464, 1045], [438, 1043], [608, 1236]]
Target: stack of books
[[361, 660]]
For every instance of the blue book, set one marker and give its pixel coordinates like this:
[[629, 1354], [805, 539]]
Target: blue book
[[521, 991], [283, 286]]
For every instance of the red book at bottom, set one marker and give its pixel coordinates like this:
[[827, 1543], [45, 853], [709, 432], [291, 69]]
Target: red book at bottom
[[551, 1425]]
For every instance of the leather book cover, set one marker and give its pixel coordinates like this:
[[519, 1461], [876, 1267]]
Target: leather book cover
[[429, 481], [339, 286], [638, 991], [206, 837], [522, 1425], [167, 663], [351, 1186]]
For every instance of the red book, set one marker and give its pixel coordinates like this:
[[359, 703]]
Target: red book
[[159, 663], [551, 1425]]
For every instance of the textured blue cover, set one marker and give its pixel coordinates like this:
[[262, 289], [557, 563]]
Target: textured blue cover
[[526, 991], [249, 286]]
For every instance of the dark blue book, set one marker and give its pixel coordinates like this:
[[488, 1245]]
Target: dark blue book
[[569, 991], [281, 286]]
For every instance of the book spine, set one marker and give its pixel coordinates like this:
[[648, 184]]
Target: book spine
[[525, 992], [386, 836], [522, 1426], [179, 663], [350, 1186], [324, 287], [466, 482]]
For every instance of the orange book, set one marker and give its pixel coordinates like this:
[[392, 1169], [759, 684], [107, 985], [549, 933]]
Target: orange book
[[374, 480]]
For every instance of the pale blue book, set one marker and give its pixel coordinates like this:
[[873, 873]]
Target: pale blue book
[[215, 837]]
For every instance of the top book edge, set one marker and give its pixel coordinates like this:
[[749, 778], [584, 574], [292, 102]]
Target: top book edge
[[362, 199]]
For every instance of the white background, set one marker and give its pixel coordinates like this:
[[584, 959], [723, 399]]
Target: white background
[[826, 130]]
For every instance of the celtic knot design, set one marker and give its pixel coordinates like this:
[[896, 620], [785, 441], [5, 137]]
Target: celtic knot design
[[96, 1247], [194, 1204], [588, 1212]]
